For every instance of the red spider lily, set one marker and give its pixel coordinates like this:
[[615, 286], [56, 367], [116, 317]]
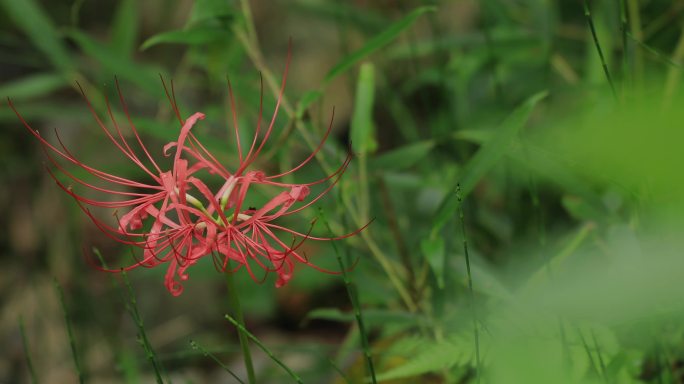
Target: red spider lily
[[176, 219]]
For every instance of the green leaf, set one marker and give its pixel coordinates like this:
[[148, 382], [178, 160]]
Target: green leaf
[[433, 250], [194, 36], [431, 357], [371, 46], [486, 158], [116, 64], [210, 10], [371, 316], [362, 127], [47, 111], [32, 86], [34, 22], [125, 28], [377, 42], [402, 157]]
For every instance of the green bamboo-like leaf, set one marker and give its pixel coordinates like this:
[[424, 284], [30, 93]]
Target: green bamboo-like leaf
[[431, 357], [486, 158], [194, 36], [377, 42], [402, 157], [362, 127], [31, 86], [124, 29], [117, 65], [34, 22]]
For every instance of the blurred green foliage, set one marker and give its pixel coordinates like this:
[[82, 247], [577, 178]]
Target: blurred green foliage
[[573, 195]]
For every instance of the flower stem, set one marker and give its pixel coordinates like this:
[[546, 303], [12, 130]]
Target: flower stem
[[234, 301]]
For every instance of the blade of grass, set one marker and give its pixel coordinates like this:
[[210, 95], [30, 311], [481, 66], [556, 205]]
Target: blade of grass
[[378, 41], [72, 341], [674, 64], [674, 74], [27, 352], [476, 333], [32, 86], [339, 371], [589, 355], [132, 306], [354, 299], [623, 36], [635, 29], [199, 35], [128, 296], [243, 330], [206, 353], [602, 364], [590, 21], [234, 300], [124, 29]]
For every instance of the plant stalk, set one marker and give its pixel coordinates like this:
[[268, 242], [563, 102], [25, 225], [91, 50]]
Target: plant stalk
[[234, 300]]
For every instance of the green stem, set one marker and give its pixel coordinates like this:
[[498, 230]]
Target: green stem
[[635, 28], [132, 307], [72, 341], [249, 22], [602, 364], [234, 301], [206, 353], [131, 302], [594, 35], [354, 299], [27, 353], [674, 73], [253, 51], [587, 350], [244, 332], [623, 33], [476, 332]]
